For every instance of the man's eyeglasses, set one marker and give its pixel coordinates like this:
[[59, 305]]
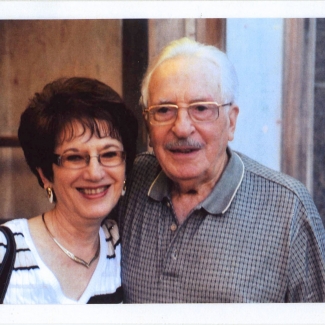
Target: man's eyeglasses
[[79, 160], [167, 113]]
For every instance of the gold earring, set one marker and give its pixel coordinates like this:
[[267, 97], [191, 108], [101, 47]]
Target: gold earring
[[49, 194], [124, 188]]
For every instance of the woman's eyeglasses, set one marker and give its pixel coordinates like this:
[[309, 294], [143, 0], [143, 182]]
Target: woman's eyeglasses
[[79, 160]]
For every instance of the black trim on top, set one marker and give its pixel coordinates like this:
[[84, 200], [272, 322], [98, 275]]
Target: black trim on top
[[110, 256], [8, 261], [110, 298], [117, 243], [18, 234], [22, 250], [26, 268]]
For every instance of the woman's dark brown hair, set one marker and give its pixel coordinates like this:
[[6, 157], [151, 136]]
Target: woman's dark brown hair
[[64, 102]]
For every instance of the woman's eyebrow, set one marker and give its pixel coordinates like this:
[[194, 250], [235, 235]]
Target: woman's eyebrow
[[107, 146]]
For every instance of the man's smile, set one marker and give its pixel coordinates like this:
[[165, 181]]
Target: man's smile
[[183, 150]]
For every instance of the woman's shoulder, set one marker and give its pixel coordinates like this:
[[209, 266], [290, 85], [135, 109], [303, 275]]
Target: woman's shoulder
[[15, 223], [17, 227]]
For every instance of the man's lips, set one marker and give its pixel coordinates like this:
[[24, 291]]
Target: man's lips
[[93, 191], [183, 150], [183, 146]]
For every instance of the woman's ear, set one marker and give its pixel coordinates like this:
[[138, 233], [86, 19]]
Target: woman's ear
[[149, 141], [45, 181]]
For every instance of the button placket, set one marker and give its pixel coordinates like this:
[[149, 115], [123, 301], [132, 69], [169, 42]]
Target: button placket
[[174, 254]]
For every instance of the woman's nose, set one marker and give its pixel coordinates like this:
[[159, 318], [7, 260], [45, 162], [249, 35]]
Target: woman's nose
[[95, 170]]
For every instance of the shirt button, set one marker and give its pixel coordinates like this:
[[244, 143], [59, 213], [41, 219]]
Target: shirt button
[[174, 254], [173, 226], [168, 204]]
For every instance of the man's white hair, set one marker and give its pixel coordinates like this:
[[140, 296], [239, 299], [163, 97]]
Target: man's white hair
[[186, 47]]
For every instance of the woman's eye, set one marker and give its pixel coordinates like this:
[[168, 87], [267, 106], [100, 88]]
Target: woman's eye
[[74, 158], [109, 154]]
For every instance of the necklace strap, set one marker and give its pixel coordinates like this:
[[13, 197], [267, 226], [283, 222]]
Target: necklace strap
[[68, 253]]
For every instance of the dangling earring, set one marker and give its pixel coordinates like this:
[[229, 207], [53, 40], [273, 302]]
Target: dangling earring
[[50, 194], [124, 188]]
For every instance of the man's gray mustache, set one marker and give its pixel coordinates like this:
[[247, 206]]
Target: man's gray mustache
[[183, 143]]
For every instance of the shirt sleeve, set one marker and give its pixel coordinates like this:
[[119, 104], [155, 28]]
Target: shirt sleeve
[[306, 265]]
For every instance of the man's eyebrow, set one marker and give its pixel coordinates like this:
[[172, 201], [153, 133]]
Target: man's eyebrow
[[196, 100], [202, 99], [164, 101]]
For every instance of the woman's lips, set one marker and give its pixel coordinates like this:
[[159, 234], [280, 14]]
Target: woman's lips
[[93, 191]]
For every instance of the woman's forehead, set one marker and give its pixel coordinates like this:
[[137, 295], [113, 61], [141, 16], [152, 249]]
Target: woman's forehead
[[76, 128]]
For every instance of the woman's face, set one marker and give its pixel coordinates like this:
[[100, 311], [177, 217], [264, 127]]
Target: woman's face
[[92, 191]]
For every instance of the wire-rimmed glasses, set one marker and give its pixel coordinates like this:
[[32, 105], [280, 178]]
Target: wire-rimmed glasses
[[167, 113], [81, 160]]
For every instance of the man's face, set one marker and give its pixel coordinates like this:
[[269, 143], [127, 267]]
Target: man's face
[[201, 153]]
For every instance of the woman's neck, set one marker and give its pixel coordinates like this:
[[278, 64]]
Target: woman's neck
[[73, 232]]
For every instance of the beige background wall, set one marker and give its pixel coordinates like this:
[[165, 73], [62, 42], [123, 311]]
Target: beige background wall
[[33, 53]]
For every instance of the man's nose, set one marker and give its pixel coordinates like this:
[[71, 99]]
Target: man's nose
[[183, 125]]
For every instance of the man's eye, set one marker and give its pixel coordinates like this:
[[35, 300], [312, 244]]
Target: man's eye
[[109, 154], [163, 110], [201, 108], [74, 158]]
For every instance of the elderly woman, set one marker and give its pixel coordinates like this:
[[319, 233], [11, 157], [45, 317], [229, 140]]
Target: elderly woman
[[79, 140]]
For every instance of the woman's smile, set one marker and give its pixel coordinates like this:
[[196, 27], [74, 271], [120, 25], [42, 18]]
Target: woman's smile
[[94, 191], [95, 183]]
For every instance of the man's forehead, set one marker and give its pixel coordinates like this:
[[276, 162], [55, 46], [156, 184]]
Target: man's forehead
[[187, 62], [190, 78]]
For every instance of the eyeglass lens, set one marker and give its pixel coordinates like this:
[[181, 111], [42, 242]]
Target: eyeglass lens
[[108, 159], [198, 111]]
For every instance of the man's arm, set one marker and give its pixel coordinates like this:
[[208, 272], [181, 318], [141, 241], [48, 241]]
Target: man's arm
[[306, 266]]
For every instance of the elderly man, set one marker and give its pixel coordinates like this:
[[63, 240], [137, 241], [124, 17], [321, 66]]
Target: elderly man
[[202, 223]]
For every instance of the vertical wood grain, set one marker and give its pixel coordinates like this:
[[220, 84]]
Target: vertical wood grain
[[298, 100], [33, 53], [212, 31]]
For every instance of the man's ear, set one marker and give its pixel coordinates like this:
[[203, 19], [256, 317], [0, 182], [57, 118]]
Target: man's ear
[[233, 114], [45, 181]]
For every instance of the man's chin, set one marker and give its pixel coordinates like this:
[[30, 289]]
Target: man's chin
[[182, 174]]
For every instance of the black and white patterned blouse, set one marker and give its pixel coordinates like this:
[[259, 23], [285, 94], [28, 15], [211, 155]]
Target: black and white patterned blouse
[[32, 282]]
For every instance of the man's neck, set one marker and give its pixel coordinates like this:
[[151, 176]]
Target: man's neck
[[187, 194]]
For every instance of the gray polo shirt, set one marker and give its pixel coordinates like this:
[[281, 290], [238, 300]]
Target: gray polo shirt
[[256, 238]]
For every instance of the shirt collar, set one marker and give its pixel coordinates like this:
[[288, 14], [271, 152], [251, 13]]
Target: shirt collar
[[222, 194]]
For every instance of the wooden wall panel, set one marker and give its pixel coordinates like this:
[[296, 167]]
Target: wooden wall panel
[[33, 53], [208, 31], [319, 120], [163, 31], [36, 52], [212, 31], [298, 99], [135, 61]]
